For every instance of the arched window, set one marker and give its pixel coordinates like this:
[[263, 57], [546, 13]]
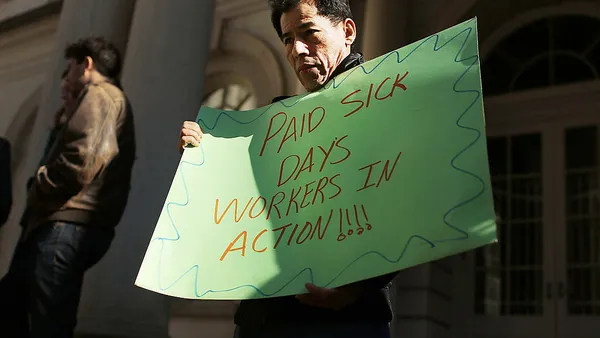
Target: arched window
[[551, 51], [512, 276], [231, 96]]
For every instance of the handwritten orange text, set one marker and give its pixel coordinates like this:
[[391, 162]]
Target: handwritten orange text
[[282, 203], [359, 102], [312, 157], [385, 173], [299, 235], [308, 123], [354, 220]]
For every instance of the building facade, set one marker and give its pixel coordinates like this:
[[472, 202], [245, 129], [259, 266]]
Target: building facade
[[540, 68]]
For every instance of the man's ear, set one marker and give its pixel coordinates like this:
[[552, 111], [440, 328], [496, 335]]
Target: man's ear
[[89, 63], [350, 30]]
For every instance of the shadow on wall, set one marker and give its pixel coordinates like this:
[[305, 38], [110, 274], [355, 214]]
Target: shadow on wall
[[19, 135], [20, 128]]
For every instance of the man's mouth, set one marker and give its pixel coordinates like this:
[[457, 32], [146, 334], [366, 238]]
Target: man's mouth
[[304, 68]]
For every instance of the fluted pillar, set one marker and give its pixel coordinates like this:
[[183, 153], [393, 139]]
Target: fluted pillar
[[163, 77], [385, 26]]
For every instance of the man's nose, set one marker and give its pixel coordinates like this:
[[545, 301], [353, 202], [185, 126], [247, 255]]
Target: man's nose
[[300, 48]]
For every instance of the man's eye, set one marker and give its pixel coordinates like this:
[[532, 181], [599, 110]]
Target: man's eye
[[287, 41], [311, 31]]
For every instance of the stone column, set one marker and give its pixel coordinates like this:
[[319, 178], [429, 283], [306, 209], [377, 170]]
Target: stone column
[[163, 77], [422, 299], [385, 27]]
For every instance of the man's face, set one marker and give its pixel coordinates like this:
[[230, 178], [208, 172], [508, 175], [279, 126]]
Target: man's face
[[65, 90], [77, 75], [314, 45], [67, 93]]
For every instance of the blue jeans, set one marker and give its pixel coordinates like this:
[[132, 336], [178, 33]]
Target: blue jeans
[[349, 330], [40, 293]]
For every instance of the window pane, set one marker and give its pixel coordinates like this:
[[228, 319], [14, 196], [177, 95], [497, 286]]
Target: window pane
[[526, 154], [583, 221], [497, 152], [509, 273], [568, 69], [535, 75], [544, 53], [581, 147]]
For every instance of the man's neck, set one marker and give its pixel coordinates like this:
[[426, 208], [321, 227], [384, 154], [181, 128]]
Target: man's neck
[[96, 77], [341, 59]]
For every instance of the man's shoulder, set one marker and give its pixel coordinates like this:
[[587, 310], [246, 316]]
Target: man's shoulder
[[107, 91]]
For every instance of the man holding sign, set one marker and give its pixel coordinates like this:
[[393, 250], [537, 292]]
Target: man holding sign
[[318, 37]]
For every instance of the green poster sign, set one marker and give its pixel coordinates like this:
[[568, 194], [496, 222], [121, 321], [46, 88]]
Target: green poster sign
[[384, 168]]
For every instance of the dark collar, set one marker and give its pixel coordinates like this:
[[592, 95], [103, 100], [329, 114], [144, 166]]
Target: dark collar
[[352, 60]]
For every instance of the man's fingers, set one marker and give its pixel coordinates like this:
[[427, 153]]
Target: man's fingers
[[315, 295], [317, 291], [193, 140], [311, 287], [192, 125], [191, 133]]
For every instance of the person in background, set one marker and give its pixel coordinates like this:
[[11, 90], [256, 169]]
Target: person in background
[[5, 181], [69, 100], [76, 198], [317, 36], [68, 96]]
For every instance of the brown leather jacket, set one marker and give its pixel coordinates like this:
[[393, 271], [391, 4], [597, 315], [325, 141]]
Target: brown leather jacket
[[85, 175]]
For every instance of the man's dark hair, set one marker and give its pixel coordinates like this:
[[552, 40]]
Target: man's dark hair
[[335, 10], [106, 57]]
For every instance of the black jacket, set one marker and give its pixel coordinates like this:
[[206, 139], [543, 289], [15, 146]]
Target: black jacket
[[372, 306], [5, 181]]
